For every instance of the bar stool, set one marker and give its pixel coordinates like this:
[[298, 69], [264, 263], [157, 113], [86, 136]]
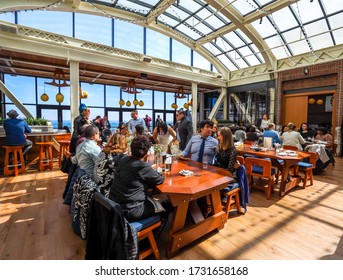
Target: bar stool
[[45, 155], [64, 147], [18, 166]]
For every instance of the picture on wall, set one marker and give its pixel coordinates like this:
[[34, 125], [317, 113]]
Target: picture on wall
[[328, 103]]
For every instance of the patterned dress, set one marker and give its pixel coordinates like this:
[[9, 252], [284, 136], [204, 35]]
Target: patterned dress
[[104, 168]]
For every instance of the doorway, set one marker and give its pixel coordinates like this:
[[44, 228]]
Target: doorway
[[57, 114]]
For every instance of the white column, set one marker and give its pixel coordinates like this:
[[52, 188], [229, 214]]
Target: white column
[[225, 116], [195, 105], [74, 91]]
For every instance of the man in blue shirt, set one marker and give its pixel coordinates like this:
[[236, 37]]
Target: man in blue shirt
[[135, 121], [270, 132], [15, 132], [194, 144]]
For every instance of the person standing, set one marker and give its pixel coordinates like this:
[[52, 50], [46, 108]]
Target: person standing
[[15, 130], [158, 119], [79, 121], [265, 122], [105, 123], [184, 130], [165, 135], [135, 120], [147, 121]]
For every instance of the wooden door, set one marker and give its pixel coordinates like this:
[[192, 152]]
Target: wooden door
[[295, 110]]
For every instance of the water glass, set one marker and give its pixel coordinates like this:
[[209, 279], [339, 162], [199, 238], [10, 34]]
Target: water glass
[[175, 159], [204, 162]]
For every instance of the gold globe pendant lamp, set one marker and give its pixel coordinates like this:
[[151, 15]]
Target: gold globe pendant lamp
[[44, 97], [141, 103], [59, 97], [121, 102], [135, 102]]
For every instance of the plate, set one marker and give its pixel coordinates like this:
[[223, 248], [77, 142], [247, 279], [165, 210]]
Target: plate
[[281, 154], [186, 172]]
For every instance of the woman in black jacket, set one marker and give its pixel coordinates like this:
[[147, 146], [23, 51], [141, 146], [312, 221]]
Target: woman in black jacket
[[132, 179]]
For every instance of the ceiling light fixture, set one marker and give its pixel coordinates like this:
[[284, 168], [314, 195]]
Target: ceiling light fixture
[[131, 87], [60, 76]]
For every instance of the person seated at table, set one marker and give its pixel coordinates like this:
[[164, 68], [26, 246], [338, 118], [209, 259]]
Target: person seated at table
[[107, 160], [133, 178], [324, 157], [292, 137], [15, 130], [270, 132], [202, 145], [253, 134], [323, 135], [122, 129], [86, 154], [306, 132], [240, 134], [139, 131], [164, 134], [226, 156], [214, 131]]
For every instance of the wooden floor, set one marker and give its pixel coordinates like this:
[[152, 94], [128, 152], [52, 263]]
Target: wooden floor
[[306, 224]]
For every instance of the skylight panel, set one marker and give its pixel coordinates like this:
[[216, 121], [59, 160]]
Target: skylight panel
[[210, 18], [168, 20], [284, 19], [212, 49], [309, 11], [175, 11], [237, 59], [249, 56], [244, 7], [321, 41], [273, 42], [134, 7], [299, 47], [234, 39], [246, 38], [189, 32], [338, 34], [336, 21], [224, 45], [264, 28], [279, 52], [316, 28], [227, 62], [190, 5], [330, 8], [199, 25]]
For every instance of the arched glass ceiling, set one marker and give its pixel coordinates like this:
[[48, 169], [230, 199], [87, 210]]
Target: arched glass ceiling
[[244, 33]]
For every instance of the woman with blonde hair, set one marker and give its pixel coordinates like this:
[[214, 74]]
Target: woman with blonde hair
[[107, 160], [226, 154]]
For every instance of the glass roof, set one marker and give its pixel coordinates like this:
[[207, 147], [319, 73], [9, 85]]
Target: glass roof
[[244, 33]]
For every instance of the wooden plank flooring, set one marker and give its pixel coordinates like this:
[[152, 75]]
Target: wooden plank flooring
[[306, 224]]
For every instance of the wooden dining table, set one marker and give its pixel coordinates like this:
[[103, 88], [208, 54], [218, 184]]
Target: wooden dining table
[[183, 192], [287, 182]]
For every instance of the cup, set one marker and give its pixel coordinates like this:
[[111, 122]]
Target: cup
[[168, 168], [175, 159], [204, 162]]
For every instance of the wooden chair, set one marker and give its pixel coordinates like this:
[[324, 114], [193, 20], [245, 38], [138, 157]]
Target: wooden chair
[[45, 156], [307, 168], [231, 200], [64, 147], [288, 147], [261, 168], [18, 164], [249, 143], [102, 214], [240, 159]]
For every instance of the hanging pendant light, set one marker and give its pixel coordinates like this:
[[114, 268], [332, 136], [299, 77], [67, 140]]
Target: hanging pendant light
[[59, 97], [135, 102], [121, 102], [128, 103], [44, 97], [141, 103]]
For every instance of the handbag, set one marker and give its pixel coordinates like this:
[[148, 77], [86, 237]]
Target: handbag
[[65, 164], [156, 203]]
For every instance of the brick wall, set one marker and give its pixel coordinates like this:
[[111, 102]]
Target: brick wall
[[320, 75]]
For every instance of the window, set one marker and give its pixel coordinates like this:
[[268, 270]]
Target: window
[[22, 87], [95, 94], [128, 36], [157, 44]]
